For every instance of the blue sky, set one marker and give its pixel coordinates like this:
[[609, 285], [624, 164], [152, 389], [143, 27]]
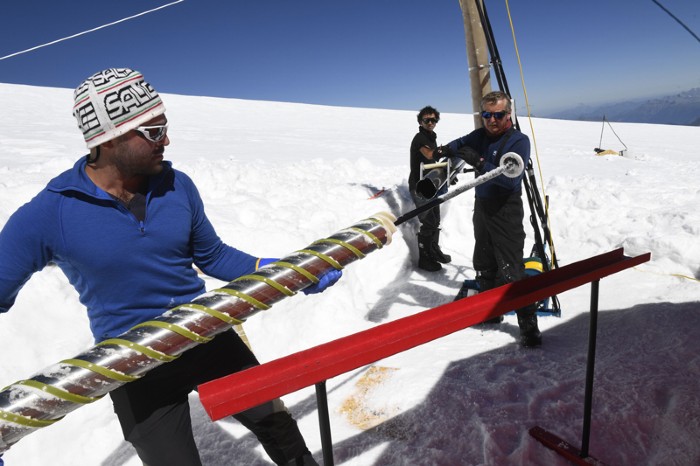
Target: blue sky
[[400, 54]]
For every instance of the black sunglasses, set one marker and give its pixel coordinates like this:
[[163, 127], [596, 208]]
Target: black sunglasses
[[430, 120], [496, 115]]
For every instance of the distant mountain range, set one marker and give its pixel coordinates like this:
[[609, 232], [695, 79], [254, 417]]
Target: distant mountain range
[[677, 109]]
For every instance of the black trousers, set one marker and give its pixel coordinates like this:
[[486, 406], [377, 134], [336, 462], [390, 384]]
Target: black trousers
[[499, 240], [154, 411]]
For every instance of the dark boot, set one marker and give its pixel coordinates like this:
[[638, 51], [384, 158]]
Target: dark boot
[[530, 335], [437, 253], [486, 279], [496, 320], [425, 256]]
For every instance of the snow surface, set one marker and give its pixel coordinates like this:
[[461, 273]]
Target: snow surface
[[277, 176]]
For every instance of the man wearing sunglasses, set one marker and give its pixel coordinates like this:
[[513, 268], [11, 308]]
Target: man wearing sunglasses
[[126, 229], [498, 207], [423, 150]]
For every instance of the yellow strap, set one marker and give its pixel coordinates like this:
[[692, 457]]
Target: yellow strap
[[323, 257], [151, 353], [299, 270], [174, 328], [59, 392], [100, 370], [268, 281], [26, 421], [370, 235], [344, 244], [249, 299], [212, 312]]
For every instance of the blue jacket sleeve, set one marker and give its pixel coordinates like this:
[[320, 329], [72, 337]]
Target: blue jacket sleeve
[[461, 142], [214, 257], [23, 251]]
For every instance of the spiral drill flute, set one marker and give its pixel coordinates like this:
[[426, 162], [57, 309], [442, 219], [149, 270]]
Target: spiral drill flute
[[46, 397]]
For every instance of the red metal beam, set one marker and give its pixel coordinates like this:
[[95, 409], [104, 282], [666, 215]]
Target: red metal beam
[[242, 390]]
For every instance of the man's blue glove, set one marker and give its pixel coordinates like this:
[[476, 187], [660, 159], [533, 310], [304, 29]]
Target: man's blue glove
[[1, 461], [324, 282], [328, 279]]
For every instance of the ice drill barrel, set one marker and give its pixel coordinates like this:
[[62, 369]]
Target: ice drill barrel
[[439, 176], [511, 166], [45, 398]]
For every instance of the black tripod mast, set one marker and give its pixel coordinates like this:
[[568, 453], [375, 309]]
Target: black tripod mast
[[538, 212]]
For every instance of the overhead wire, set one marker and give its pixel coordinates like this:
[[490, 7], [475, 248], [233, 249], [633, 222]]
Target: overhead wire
[[89, 30], [677, 20]]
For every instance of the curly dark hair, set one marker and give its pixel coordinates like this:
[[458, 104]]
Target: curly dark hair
[[427, 111]]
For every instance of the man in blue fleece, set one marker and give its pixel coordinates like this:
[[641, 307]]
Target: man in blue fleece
[[499, 236], [126, 229]]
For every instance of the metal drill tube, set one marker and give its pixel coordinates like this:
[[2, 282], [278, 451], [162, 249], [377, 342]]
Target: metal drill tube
[[511, 165], [45, 398], [439, 178]]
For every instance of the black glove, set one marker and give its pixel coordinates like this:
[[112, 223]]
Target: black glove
[[471, 156], [442, 151]]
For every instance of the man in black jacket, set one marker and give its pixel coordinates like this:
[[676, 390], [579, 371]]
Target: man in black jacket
[[423, 148]]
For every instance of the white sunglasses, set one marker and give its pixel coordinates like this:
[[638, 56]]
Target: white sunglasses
[[154, 133]]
